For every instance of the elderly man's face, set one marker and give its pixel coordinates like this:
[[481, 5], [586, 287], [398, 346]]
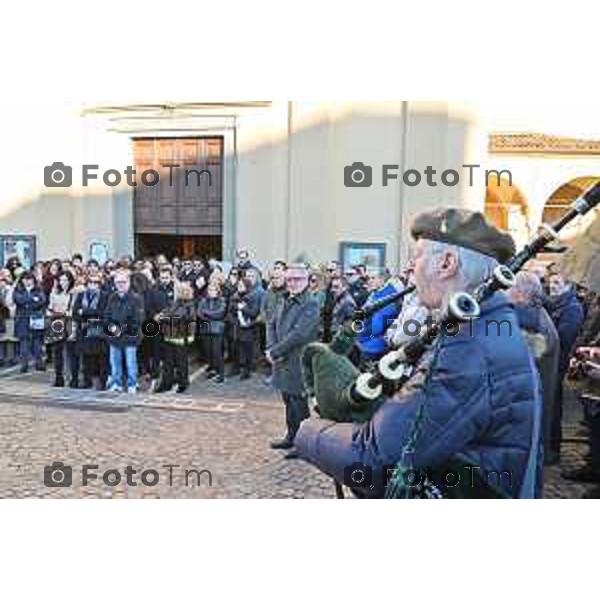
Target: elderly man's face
[[296, 280], [122, 283], [432, 274]]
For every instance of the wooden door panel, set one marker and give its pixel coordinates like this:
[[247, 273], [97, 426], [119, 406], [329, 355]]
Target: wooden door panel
[[180, 205]]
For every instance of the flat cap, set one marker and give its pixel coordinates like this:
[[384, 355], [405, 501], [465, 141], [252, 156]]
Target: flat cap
[[466, 229]]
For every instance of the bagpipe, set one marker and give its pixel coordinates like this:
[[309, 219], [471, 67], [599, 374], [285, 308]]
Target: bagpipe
[[343, 394]]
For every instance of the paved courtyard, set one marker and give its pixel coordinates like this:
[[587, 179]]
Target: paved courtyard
[[221, 429]]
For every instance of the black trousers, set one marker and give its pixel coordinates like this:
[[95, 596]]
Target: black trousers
[[95, 365], [151, 355], [68, 349], [175, 365], [246, 355], [231, 346], [215, 353], [296, 411]]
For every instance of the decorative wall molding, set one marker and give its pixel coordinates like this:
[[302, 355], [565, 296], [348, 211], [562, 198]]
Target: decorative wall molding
[[541, 143]]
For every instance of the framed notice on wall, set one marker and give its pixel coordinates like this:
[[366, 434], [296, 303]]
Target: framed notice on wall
[[19, 246], [356, 253]]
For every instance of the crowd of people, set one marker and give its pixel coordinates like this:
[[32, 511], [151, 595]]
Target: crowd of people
[[97, 325]]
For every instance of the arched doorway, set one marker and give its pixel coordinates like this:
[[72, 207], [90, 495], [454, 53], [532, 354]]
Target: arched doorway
[[560, 201], [507, 208]]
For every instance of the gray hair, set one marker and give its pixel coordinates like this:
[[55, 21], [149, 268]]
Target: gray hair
[[530, 286], [473, 267]]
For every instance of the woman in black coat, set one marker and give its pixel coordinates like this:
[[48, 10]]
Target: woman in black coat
[[30, 305], [88, 312], [246, 304]]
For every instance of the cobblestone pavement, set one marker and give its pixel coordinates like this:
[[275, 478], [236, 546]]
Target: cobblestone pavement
[[223, 429]]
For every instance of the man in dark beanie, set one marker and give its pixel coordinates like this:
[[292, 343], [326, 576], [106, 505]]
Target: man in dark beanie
[[474, 397]]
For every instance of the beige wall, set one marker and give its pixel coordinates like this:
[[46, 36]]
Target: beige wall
[[284, 182]]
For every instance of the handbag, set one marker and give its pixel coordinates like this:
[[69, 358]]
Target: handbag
[[37, 323]]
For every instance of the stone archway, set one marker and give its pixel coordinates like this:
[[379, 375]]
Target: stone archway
[[560, 201], [507, 208]]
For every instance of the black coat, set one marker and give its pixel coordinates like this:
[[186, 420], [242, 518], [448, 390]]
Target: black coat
[[211, 315], [127, 312], [160, 299], [295, 326], [246, 319], [88, 321]]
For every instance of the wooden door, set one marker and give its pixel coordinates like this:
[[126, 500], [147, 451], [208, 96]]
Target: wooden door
[[189, 198]]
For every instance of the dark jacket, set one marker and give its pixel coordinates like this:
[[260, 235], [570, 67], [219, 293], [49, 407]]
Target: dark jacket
[[359, 292], [127, 312], [479, 402], [211, 315], [160, 298], [542, 338], [295, 326], [88, 313], [179, 324], [245, 327], [271, 301], [27, 305], [590, 333], [567, 314], [343, 309]]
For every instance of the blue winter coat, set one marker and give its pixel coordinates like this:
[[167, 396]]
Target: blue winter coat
[[371, 341], [479, 409], [27, 304], [567, 314]]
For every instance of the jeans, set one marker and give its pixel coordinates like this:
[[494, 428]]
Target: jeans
[[30, 346], [116, 366]]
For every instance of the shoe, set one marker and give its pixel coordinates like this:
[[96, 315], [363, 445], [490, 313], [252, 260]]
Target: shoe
[[284, 444], [292, 455], [162, 388], [210, 375], [132, 391], [114, 389], [182, 389], [154, 385], [583, 475], [59, 382], [219, 379], [24, 368], [245, 376], [40, 366], [87, 385], [73, 384]]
